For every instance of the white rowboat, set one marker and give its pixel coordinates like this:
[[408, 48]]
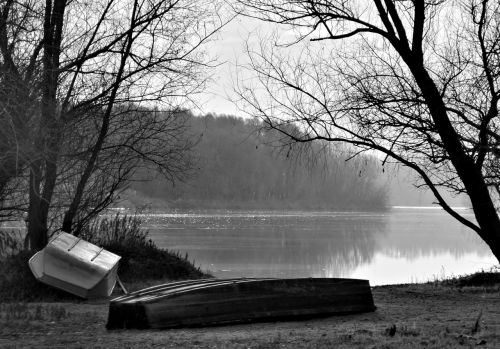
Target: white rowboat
[[76, 266]]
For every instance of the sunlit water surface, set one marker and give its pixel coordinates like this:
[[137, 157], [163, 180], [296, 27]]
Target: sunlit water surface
[[398, 246]]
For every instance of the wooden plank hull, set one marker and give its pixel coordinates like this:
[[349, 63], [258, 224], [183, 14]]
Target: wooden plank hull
[[224, 301]]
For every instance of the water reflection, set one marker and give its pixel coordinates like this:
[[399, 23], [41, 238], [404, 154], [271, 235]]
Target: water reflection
[[300, 244], [417, 233]]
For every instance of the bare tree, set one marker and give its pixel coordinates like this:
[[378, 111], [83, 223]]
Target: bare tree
[[415, 80], [80, 64], [137, 138]]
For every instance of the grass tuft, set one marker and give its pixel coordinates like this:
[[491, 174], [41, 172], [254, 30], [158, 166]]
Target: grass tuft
[[141, 259], [489, 278], [23, 311]]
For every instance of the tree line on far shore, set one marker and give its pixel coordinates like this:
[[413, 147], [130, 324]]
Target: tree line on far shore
[[241, 165]]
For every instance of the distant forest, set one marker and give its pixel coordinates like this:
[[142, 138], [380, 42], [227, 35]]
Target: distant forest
[[240, 165]]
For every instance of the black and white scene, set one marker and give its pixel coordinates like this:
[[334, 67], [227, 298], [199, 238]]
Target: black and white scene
[[249, 174]]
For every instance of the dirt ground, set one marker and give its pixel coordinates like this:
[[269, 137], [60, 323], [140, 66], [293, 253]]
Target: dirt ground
[[407, 316]]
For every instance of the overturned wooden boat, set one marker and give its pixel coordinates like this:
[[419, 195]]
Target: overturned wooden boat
[[76, 266], [224, 301]]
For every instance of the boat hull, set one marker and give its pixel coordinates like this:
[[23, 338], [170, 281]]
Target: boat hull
[[225, 301], [76, 266]]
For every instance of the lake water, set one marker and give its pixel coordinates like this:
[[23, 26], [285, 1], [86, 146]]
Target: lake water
[[401, 245]]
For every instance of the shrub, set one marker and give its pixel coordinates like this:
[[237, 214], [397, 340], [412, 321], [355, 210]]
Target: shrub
[[11, 242], [17, 282], [122, 230], [482, 278], [141, 258]]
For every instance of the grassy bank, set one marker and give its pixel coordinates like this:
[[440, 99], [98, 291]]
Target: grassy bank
[[141, 265], [440, 314]]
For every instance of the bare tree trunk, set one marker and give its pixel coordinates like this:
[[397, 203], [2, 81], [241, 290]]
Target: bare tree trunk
[[37, 235], [471, 176], [44, 170]]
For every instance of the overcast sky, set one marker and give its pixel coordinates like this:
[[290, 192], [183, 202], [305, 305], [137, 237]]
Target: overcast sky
[[229, 47]]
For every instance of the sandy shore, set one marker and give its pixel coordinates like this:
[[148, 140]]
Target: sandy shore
[[407, 316]]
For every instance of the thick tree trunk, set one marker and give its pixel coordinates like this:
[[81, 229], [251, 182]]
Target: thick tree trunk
[[43, 178], [468, 171], [37, 230], [44, 169]]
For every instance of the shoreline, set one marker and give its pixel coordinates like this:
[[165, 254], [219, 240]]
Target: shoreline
[[433, 315]]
